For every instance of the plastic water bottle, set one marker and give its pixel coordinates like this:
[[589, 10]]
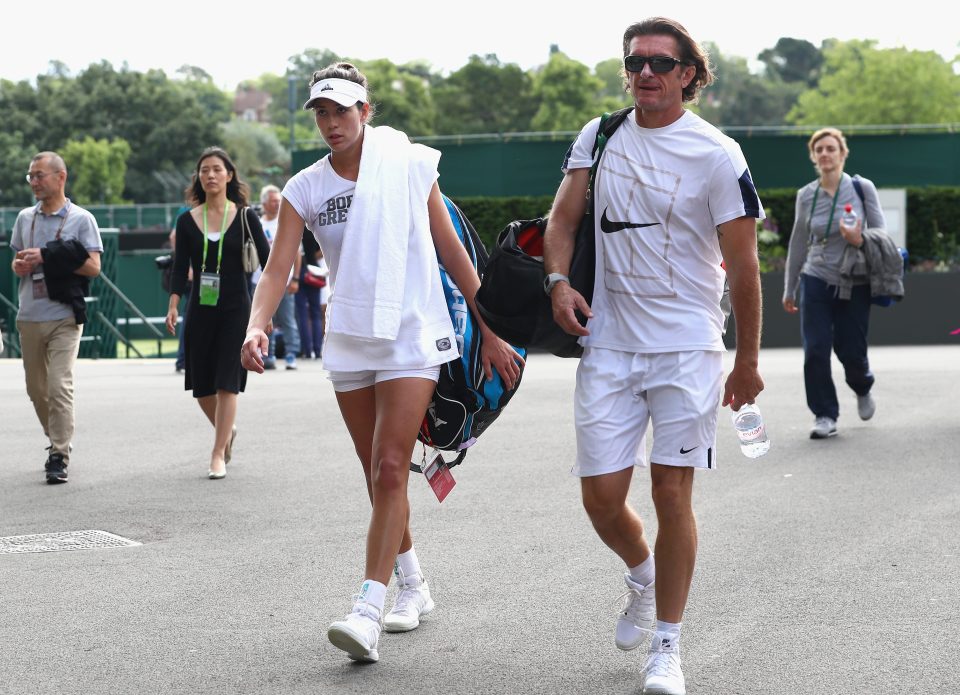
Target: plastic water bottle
[[849, 218], [751, 431]]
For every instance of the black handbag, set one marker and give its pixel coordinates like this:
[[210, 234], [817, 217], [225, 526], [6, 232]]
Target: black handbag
[[511, 299]]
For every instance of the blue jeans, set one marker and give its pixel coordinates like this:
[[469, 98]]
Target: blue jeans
[[841, 324], [286, 319], [310, 318]]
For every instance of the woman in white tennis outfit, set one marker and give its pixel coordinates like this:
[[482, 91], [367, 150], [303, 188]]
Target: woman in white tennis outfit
[[375, 208]]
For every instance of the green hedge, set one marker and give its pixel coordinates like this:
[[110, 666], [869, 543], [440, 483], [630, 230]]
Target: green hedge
[[490, 215], [933, 222]]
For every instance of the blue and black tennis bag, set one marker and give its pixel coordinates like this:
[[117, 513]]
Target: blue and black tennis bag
[[464, 403]]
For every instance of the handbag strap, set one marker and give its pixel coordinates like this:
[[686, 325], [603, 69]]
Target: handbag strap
[[244, 225]]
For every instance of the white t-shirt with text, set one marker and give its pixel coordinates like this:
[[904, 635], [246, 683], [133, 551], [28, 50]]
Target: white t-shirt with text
[[426, 337]]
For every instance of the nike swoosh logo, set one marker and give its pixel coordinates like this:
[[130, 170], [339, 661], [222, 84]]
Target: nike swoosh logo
[[608, 227], [687, 451]]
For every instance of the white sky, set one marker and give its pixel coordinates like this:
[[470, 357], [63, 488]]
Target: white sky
[[243, 39]]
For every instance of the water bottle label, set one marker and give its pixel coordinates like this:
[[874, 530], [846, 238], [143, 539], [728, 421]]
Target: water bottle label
[[751, 434]]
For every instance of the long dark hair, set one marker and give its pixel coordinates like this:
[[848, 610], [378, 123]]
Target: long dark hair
[[237, 190]]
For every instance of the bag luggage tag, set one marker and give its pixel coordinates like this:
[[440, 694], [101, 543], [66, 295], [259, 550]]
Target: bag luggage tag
[[438, 475]]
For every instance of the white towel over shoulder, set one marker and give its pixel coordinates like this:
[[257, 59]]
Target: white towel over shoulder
[[389, 205]]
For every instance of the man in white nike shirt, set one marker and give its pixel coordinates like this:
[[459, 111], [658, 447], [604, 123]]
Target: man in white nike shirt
[[673, 199]]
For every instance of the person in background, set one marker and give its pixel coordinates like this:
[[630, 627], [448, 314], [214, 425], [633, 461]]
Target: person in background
[[179, 364], [311, 300], [676, 199], [209, 240], [828, 319], [285, 317], [57, 249]]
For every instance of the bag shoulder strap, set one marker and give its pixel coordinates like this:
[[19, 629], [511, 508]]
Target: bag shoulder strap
[[609, 122], [858, 187], [244, 223]]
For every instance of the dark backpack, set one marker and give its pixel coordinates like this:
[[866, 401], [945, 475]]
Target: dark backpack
[[464, 403], [511, 297]]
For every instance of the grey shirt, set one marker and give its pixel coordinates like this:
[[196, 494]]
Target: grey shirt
[[35, 229], [813, 249]]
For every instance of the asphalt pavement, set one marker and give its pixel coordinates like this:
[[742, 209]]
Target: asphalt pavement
[[825, 566]]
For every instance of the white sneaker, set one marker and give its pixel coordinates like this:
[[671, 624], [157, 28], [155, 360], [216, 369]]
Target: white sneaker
[[358, 633], [823, 427], [637, 619], [866, 406], [664, 676], [412, 602]]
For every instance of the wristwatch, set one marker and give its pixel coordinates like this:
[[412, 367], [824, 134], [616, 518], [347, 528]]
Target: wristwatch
[[552, 279]]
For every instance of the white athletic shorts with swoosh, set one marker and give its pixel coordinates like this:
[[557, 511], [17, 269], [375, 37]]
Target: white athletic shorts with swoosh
[[619, 393]]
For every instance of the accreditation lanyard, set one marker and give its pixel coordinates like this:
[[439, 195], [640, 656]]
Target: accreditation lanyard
[[813, 207], [63, 221], [223, 231]]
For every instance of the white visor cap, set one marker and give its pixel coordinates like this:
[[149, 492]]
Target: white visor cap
[[344, 92]]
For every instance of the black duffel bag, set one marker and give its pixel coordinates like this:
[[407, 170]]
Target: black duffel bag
[[511, 299]]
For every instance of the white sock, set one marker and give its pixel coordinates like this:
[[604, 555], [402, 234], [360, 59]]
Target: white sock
[[668, 634], [407, 565], [372, 593], [645, 572]]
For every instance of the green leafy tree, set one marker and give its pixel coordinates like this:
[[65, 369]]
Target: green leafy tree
[[300, 69], [278, 87], [568, 95], [217, 103], [611, 73], [401, 98], [15, 156], [255, 149], [164, 123], [738, 97], [97, 169], [302, 65], [793, 60], [484, 96], [863, 85]]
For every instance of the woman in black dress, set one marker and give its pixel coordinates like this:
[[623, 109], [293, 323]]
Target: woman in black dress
[[210, 240]]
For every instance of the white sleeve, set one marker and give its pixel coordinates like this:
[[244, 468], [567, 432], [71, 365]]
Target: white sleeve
[[732, 193], [297, 193], [580, 153]]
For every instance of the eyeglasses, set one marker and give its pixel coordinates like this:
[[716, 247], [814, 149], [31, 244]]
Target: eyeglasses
[[39, 176], [658, 64]]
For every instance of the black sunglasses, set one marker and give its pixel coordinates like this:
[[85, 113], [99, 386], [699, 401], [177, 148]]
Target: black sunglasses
[[658, 64]]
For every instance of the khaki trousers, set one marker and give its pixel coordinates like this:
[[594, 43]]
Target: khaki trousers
[[50, 351]]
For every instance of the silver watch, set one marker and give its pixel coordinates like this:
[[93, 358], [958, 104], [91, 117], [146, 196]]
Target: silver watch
[[552, 279]]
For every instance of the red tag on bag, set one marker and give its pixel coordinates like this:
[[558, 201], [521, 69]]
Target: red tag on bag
[[439, 477]]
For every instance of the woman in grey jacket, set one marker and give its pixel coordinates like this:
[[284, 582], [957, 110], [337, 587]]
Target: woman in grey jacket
[[817, 245]]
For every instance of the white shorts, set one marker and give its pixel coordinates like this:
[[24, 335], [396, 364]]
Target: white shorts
[[351, 381], [619, 393]]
